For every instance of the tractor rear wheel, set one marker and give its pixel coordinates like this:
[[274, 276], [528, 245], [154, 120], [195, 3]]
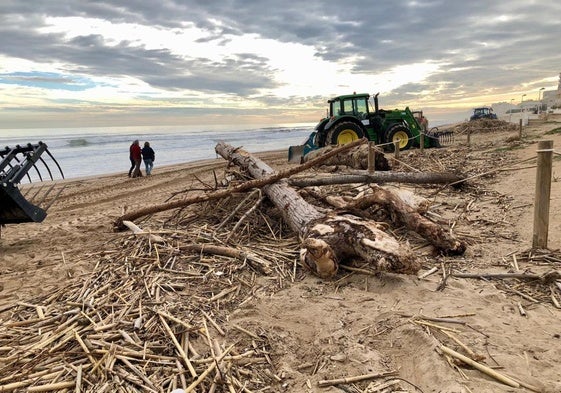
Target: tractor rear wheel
[[343, 133], [399, 132]]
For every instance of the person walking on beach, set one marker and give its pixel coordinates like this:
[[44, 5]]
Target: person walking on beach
[[148, 156], [131, 159], [136, 156]]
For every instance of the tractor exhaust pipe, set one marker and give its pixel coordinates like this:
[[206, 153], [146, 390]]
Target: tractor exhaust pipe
[[376, 107]]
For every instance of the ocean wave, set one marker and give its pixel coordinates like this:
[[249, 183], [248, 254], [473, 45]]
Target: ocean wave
[[78, 142]]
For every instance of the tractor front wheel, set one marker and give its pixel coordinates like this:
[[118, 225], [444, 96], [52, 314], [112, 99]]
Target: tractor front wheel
[[343, 133], [399, 133]]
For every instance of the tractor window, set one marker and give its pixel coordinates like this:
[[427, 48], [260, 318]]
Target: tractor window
[[361, 106], [353, 106], [347, 107]]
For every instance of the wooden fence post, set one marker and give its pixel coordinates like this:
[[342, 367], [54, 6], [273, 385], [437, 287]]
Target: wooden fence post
[[396, 149], [520, 130], [371, 157], [543, 192]]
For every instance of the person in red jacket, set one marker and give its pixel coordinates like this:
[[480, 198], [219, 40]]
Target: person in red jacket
[[136, 157]]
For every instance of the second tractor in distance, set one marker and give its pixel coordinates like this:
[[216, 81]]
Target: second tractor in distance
[[483, 113]]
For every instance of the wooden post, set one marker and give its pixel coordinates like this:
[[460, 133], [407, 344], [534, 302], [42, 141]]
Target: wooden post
[[543, 192], [520, 130], [371, 157], [396, 149], [422, 141]]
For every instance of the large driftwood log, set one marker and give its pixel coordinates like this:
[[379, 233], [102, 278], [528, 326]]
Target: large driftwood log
[[327, 239], [377, 177], [357, 157], [405, 214]]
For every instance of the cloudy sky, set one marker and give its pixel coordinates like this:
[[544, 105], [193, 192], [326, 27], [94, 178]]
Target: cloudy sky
[[78, 63]]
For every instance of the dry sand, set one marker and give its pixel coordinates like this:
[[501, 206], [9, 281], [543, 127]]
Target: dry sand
[[358, 323]]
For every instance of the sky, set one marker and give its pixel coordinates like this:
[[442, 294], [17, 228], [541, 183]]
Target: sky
[[82, 63]]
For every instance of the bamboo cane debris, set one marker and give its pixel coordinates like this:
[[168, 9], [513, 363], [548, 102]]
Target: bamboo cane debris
[[364, 377], [533, 287], [473, 359], [487, 370], [91, 335]]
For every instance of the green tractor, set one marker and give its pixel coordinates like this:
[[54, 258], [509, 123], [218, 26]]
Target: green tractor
[[351, 117]]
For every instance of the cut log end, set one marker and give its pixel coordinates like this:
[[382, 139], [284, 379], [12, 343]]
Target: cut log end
[[354, 238], [455, 247], [318, 256]]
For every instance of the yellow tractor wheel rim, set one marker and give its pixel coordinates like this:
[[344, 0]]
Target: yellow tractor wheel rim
[[346, 136], [402, 137]]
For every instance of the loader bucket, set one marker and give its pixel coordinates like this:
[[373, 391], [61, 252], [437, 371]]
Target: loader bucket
[[440, 138], [15, 165], [295, 154]]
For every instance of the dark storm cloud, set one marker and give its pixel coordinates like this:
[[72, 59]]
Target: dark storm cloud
[[483, 44]]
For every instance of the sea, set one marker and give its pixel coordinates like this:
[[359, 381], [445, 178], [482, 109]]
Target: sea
[[84, 152], [96, 151]]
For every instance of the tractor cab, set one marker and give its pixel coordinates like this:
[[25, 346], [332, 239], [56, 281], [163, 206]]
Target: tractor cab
[[355, 105]]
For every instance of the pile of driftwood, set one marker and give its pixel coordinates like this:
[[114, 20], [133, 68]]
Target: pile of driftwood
[[484, 126], [328, 239]]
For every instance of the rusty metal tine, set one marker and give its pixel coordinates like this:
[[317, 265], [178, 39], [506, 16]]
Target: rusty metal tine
[[54, 199], [55, 161]]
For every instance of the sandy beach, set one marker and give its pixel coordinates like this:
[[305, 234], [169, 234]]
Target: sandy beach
[[82, 304]]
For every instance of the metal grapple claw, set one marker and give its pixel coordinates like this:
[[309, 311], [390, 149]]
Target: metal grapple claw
[[15, 166]]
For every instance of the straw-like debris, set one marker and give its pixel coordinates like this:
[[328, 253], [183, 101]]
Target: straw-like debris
[[484, 126], [150, 317]]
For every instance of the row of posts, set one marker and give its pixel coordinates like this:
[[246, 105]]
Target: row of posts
[[543, 184]]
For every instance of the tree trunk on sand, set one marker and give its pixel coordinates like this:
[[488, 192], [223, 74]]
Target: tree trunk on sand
[[403, 213], [357, 157], [327, 239], [377, 177]]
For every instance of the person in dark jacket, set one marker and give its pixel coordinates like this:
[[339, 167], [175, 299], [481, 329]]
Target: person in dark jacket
[[131, 159], [148, 156], [136, 156]]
